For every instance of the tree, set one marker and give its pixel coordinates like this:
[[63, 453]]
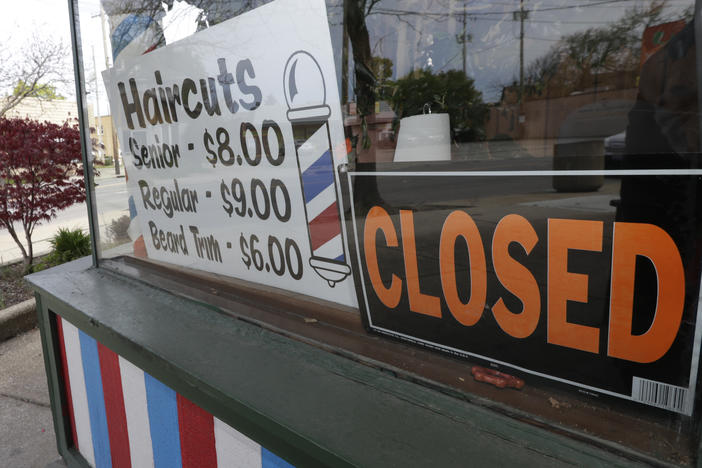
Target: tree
[[451, 92], [40, 174], [33, 71], [43, 91]]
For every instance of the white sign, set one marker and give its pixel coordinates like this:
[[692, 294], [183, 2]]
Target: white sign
[[231, 139]]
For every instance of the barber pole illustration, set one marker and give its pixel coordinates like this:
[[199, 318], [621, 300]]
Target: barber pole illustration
[[120, 416], [308, 114], [133, 34]]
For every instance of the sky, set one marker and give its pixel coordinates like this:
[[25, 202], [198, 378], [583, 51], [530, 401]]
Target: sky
[[48, 16], [49, 19], [492, 57]]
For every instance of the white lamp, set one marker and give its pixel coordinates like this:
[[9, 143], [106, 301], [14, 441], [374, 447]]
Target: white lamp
[[424, 137]]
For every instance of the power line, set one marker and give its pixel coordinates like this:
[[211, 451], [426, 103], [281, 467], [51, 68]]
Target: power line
[[542, 39], [389, 11], [584, 5]]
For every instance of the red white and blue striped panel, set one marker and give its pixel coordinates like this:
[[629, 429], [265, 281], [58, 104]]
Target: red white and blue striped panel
[[121, 416], [319, 192]]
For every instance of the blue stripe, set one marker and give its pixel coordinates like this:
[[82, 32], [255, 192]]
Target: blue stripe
[[128, 30], [271, 460], [96, 400], [318, 176], [340, 258], [132, 208], [162, 406]]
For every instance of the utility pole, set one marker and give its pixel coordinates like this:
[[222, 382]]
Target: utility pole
[[106, 49]]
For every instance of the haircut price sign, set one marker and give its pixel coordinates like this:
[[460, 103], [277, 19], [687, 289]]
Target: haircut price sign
[[231, 146]]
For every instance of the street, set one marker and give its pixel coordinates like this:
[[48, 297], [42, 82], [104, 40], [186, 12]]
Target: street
[[111, 196]]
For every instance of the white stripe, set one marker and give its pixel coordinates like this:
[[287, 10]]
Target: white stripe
[[234, 449], [78, 394], [312, 149], [134, 391], [321, 202], [137, 47], [310, 113], [332, 249], [134, 229], [533, 173]]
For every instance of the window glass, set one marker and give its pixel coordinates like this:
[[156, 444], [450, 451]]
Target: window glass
[[514, 183]]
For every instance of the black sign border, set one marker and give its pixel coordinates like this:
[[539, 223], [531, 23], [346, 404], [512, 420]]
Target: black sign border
[[403, 170]]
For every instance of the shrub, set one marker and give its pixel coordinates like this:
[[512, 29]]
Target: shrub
[[67, 245]]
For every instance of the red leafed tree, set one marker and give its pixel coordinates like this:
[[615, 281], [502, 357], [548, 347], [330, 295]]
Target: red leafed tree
[[40, 174]]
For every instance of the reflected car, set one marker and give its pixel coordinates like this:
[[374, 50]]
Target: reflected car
[[614, 149]]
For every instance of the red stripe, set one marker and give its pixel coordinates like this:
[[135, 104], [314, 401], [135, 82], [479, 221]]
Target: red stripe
[[68, 407], [114, 407], [325, 227], [150, 49], [197, 440]]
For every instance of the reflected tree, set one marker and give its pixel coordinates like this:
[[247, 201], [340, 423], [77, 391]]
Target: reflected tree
[[451, 92], [579, 60], [382, 71], [355, 13]]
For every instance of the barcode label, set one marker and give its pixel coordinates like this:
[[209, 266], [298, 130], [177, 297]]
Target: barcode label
[[660, 394]]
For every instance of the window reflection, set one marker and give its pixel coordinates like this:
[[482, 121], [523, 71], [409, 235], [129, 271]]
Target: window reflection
[[503, 85], [516, 79]]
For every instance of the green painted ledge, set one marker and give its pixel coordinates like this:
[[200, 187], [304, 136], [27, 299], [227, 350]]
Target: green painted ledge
[[310, 406]]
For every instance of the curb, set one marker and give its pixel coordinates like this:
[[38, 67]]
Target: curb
[[17, 319], [37, 255]]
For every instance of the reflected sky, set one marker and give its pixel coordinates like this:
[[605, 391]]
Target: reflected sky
[[421, 34], [432, 31]]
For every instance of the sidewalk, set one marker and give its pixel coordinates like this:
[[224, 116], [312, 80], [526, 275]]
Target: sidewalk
[[27, 432]]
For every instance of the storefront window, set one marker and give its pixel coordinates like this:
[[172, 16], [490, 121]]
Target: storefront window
[[511, 185]]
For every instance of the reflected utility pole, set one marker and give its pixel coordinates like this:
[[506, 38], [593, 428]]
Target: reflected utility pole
[[464, 38], [96, 117], [106, 50], [521, 15]]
